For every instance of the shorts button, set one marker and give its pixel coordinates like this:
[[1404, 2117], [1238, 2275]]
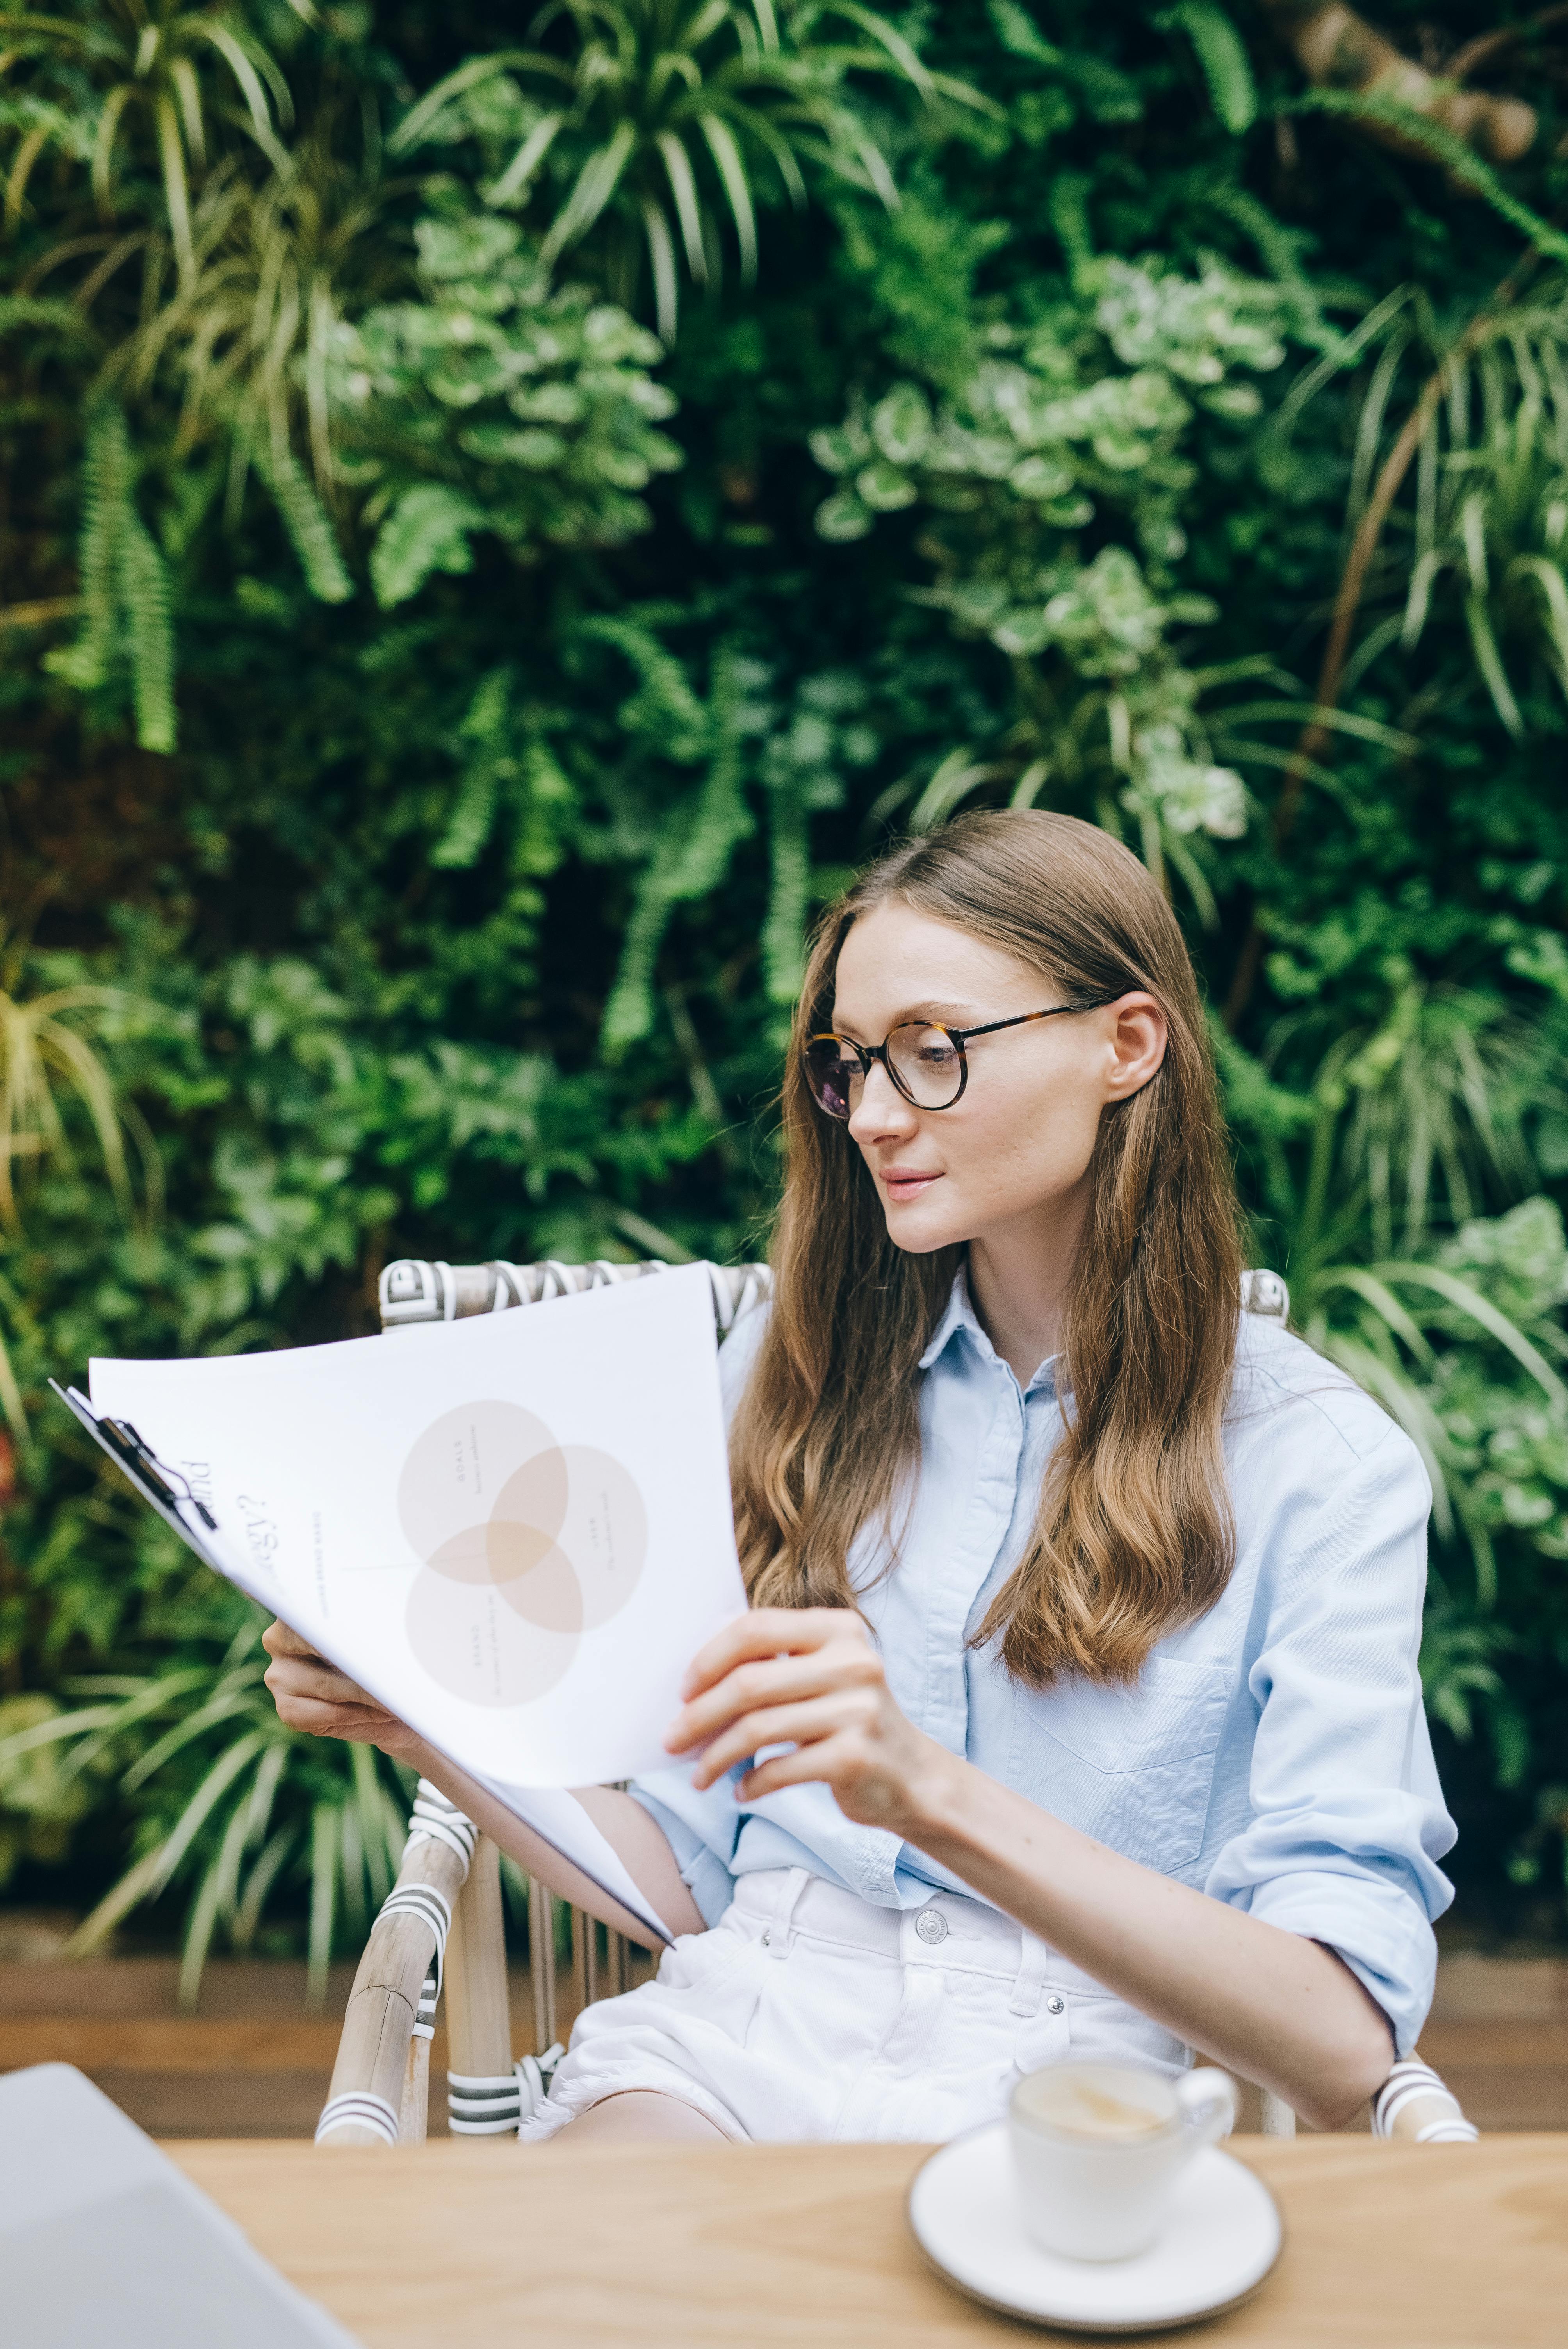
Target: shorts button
[[931, 1926], [1055, 2005]]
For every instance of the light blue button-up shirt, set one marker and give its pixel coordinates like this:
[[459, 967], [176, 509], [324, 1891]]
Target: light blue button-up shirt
[[1274, 1755]]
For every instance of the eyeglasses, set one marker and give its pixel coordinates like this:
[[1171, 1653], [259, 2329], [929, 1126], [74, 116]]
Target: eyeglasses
[[924, 1061]]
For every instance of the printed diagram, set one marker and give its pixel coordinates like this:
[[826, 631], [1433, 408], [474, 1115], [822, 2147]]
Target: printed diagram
[[525, 1544]]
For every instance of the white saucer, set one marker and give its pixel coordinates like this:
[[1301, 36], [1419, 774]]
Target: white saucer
[[1222, 2237]]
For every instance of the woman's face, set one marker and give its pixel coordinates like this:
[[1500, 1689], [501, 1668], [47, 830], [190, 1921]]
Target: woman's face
[[1014, 1151]]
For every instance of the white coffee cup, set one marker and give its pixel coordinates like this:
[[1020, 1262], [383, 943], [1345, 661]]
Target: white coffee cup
[[1097, 2148]]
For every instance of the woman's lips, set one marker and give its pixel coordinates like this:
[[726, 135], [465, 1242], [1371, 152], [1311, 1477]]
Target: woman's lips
[[908, 1184]]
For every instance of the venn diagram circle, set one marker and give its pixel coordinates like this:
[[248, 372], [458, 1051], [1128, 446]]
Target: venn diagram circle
[[524, 1545]]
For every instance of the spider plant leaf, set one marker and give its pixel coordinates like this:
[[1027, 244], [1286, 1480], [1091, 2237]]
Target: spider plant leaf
[[260, 1882], [1383, 1301], [187, 94], [1369, 650], [176, 190], [888, 38], [54, 1731], [1488, 660], [28, 153], [1259, 665], [464, 78], [215, 1897], [200, 1920], [11, 1402], [264, 1790], [595, 184], [136, 1884], [1424, 573], [1031, 784], [768, 135], [1469, 1300], [98, 1735], [1548, 577], [224, 1706], [959, 774], [154, 1869], [250, 86], [1333, 721], [1344, 354], [767, 26], [1178, 853], [675, 64], [114, 105], [1369, 423], [523, 165], [688, 205], [732, 171], [662, 262], [704, 23]]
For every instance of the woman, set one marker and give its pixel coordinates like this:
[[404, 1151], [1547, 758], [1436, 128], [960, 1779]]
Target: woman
[[1078, 1709]]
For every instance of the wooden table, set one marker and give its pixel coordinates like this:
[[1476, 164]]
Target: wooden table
[[455, 2244]]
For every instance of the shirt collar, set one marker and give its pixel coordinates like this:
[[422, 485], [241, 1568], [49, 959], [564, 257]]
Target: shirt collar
[[959, 1314]]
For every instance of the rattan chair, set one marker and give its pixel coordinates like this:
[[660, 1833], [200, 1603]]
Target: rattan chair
[[442, 1927]]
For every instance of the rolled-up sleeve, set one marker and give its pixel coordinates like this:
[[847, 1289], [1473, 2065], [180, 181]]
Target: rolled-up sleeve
[[1347, 1822]]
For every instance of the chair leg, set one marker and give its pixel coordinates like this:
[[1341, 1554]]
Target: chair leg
[[370, 2081], [482, 2089], [413, 2119], [541, 1963]]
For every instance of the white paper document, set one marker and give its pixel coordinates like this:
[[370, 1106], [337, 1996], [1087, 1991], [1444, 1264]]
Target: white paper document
[[515, 1531]]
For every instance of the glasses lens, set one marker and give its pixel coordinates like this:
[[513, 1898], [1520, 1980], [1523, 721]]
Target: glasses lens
[[929, 1065], [831, 1071]]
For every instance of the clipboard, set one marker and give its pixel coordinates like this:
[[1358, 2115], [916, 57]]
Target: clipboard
[[163, 1488], [167, 1491]]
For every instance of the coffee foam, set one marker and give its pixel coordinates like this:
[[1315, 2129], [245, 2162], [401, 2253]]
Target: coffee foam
[[1087, 2107]]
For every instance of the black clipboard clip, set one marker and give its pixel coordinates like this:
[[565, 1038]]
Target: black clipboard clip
[[139, 1460]]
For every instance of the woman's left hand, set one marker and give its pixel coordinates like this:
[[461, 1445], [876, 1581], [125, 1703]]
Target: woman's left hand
[[809, 1677]]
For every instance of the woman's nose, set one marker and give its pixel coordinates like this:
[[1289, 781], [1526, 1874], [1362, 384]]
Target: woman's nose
[[882, 1109]]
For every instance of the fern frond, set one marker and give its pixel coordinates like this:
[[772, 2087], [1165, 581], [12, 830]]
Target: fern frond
[[107, 474], [143, 585], [1019, 35], [686, 867], [427, 530], [1068, 207], [304, 517], [1278, 246], [789, 892], [1443, 146], [1221, 53], [471, 821]]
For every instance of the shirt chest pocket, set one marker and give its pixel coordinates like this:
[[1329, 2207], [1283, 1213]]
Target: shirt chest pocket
[[1131, 1766]]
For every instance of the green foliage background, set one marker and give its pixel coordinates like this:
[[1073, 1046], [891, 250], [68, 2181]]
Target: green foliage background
[[434, 706]]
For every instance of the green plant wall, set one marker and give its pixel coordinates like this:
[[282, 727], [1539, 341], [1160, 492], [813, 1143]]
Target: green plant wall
[[482, 559]]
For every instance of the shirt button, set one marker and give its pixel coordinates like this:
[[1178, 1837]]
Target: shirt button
[[1055, 2005], [931, 1926]]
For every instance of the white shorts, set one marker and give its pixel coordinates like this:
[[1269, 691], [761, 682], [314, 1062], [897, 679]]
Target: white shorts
[[808, 2015]]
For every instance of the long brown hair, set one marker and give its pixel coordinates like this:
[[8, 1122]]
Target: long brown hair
[[1134, 1534]]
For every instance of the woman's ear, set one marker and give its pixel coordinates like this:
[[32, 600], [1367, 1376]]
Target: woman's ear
[[1139, 1035]]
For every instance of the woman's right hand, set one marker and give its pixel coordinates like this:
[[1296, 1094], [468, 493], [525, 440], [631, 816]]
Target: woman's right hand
[[310, 1695]]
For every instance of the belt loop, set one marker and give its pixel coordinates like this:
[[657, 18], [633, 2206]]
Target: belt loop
[[1031, 1980], [776, 1932]]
